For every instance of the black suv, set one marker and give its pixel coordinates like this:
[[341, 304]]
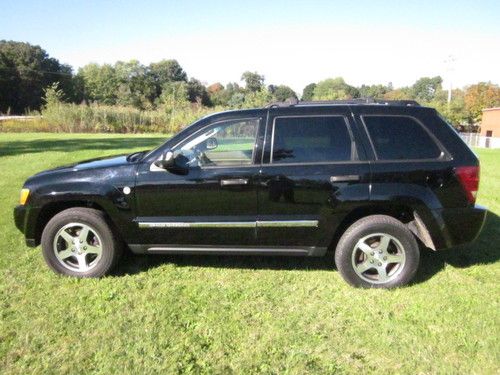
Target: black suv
[[372, 181]]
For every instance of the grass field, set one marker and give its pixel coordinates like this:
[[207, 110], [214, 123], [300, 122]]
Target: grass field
[[188, 314]]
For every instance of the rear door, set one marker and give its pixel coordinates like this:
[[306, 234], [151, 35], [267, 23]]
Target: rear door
[[313, 174]]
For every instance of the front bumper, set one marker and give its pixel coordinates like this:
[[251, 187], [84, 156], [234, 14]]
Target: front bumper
[[25, 220], [19, 217]]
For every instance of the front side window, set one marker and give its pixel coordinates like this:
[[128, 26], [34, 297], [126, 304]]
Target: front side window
[[400, 138], [311, 139], [225, 143]]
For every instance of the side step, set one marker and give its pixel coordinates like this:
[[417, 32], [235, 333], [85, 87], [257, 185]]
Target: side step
[[228, 250]]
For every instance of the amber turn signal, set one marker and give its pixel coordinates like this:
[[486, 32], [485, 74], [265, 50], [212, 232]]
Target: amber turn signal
[[24, 196]]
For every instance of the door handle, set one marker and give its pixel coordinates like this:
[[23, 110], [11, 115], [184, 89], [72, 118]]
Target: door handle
[[234, 181], [349, 177]]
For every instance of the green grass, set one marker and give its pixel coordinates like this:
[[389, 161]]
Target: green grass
[[188, 314]]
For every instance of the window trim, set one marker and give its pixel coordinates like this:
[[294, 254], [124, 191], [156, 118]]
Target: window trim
[[354, 154], [443, 156], [255, 144]]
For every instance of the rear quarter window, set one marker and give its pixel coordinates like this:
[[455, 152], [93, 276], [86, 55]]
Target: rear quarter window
[[400, 138]]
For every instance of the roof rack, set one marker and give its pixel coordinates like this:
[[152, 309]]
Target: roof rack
[[292, 102]]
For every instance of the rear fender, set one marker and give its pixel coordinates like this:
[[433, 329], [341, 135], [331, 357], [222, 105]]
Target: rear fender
[[427, 222]]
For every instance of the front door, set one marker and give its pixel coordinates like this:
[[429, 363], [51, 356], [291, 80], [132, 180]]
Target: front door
[[214, 201]]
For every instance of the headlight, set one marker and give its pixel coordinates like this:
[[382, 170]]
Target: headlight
[[24, 196]]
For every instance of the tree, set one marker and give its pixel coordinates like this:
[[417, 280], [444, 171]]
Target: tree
[[224, 97], [53, 95], [425, 88], [215, 87], [455, 111], [373, 91], [100, 83], [308, 92], [25, 71], [403, 93], [197, 93], [480, 96], [282, 93], [334, 89], [237, 100], [253, 81], [257, 99], [166, 71], [174, 96], [135, 86]]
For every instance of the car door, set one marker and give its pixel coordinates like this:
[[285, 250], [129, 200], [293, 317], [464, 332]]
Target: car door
[[313, 174], [213, 202]]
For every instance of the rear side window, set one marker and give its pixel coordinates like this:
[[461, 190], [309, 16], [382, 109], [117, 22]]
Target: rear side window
[[400, 138], [311, 139]]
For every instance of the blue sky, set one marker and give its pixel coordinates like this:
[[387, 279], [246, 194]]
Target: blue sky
[[292, 42]]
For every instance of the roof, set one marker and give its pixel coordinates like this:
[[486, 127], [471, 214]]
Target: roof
[[491, 109]]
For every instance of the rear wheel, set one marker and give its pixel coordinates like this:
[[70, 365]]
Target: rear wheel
[[79, 242], [377, 251]]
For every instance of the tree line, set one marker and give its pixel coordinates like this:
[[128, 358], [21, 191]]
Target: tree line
[[27, 72]]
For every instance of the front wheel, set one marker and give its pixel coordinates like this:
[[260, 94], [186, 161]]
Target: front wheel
[[79, 242], [377, 251]]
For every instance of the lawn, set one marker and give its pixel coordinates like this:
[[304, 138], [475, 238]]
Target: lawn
[[189, 314]]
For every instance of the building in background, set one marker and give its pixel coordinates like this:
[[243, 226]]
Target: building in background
[[489, 136], [490, 124]]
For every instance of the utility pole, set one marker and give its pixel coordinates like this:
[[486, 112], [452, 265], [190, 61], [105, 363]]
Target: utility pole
[[449, 61]]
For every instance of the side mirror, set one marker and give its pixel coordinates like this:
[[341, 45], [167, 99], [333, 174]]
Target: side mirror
[[212, 143], [166, 161]]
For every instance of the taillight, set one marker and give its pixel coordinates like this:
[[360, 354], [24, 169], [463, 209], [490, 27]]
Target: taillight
[[469, 178]]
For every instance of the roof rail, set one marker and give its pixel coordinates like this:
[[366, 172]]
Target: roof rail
[[292, 102]]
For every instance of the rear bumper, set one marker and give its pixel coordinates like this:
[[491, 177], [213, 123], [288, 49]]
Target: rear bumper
[[24, 218], [460, 225]]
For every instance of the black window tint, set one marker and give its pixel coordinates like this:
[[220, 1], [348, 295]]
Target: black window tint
[[396, 138], [311, 139]]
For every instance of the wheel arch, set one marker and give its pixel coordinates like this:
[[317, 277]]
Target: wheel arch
[[49, 210], [410, 216]]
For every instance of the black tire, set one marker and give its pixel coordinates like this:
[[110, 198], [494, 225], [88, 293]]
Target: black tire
[[350, 259], [110, 247]]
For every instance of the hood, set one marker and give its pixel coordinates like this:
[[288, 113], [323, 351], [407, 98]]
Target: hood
[[106, 162], [98, 164]]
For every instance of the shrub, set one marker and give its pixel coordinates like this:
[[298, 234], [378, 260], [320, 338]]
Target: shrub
[[97, 118]]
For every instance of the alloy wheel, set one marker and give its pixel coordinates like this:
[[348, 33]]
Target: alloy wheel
[[378, 258], [77, 247]]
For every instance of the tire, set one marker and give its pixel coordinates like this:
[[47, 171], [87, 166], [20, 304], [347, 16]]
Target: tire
[[79, 242], [377, 251]]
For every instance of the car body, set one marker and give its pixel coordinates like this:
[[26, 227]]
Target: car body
[[288, 179]]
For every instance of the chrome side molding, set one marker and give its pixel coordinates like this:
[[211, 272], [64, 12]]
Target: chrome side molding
[[231, 224], [349, 177], [234, 182], [199, 224], [286, 223]]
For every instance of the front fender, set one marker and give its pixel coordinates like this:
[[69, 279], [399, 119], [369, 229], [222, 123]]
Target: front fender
[[111, 199]]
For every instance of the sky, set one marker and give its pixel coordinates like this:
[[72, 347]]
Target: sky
[[289, 42]]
